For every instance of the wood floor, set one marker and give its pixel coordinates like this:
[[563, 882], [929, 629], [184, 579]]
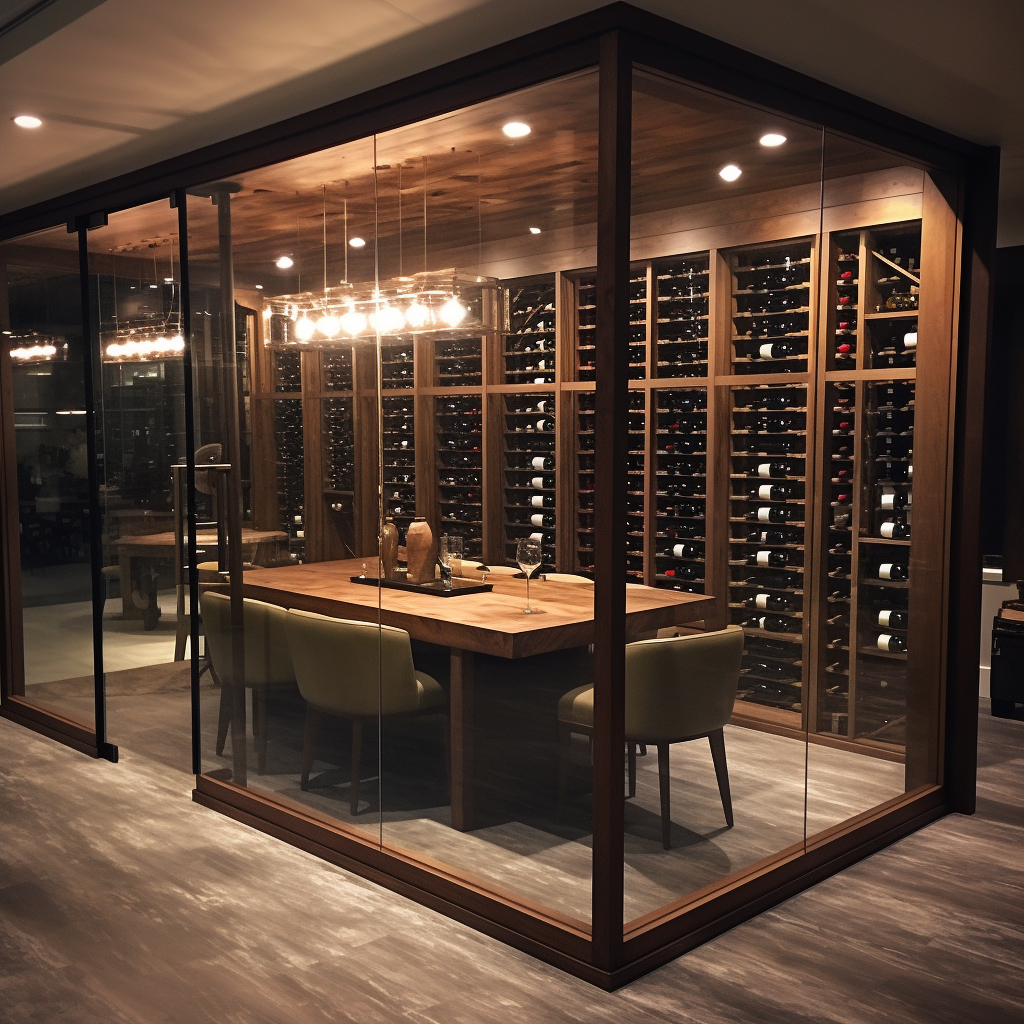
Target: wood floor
[[121, 901]]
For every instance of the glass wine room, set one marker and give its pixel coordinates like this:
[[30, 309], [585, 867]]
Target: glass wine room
[[545, 490]]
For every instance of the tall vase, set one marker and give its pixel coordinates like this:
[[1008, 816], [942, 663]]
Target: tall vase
[[420, 551], [388, 549]]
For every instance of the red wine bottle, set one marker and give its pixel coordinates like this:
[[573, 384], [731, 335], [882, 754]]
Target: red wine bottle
[[770, 514], [892, 618], [773, 469], [768, 602], [770, 558], [770, 492]]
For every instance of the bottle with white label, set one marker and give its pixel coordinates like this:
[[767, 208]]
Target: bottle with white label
[[542, 462], [542, 519], [775, 470], [890, 642], [768, 602], [892, 618], [542, 501], [770, 514], [683, 550], [770, 558], [896, 500], [776, 350], [770, 492], [765, 537], [892, 571], [895, 529]]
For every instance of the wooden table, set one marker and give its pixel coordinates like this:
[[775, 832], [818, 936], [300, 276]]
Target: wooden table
[[491, 623], [161, 545]]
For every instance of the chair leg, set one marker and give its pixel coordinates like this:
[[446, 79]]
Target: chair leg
[[223, 718], [643, 749], [564, 744], [448, 758], [357, 757], [313, 717], [665, 781], [717, 741], [259, 699], [631, 762], [180, 637]]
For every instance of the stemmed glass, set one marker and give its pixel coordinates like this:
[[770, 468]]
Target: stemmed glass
[[529, 558], [444, 556]]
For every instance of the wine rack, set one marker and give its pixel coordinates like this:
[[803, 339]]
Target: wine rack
[[767, 539], [892, 293], [586, 328], [458, 363], [396, 365], [680, 482], [339, 446], [529, 343], [638, 319], [681, 316], [398, 457], [287, 370], [338, 370], [528, 471], [844, 290], [290, 474], [771, 308], [459, 443]]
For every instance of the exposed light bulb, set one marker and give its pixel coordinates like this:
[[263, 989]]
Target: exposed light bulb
[[772, 139], [453, 312], [730, 172], [27, 121], [284, 262], [417, 314], [353, 322], [516, 129], [304, 329], [170, 280], [329, 326], [259, 287], [387, 320], [534, 231], [357, 242]]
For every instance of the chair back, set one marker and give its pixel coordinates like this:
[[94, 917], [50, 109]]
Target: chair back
[[347, 667], [682, 686], [268, 658]]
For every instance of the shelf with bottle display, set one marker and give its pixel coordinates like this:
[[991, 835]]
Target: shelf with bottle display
[[529, 342], [895, 269], [638, 323], [771, 300], [681, 316], [458, 363], [287, 371], [586, 324], [528, 473], [290, 474], [396, 365], [338, 446], [459, 468], [766, 534], [337, 369], [398, 433], [680, 484], [844, 298]]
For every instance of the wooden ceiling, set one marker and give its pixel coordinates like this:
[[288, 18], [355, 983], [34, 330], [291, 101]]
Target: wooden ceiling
[[456, 181]]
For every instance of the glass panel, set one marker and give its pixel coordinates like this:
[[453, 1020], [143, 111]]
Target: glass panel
[[136, 303], [507, 213], [861, 710], [41, 318], [724, 242]]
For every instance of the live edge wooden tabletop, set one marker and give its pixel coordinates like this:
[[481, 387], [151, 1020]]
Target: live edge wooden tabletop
[[491, 623]]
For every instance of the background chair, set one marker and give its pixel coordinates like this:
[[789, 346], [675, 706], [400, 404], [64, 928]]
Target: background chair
[[677, 689], [356, 670], [268, 662]]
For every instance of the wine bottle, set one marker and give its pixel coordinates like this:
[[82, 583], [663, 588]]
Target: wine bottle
[[770, 492], [777, 350], [773, 469], [768, 537], [896, 500], [768, 602], [683, 551], [892, 571], [890, 470], [772, 558], [771, 624], [895, 529], [888, 642], [770, 514], [542, 519], [892, 618], [541, 462]]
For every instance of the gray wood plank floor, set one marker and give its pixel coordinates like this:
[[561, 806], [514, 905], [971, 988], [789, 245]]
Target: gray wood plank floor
[[121, 901]]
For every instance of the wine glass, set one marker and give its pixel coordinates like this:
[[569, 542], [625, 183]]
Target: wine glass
[[529, 558], [455, 554], [444, 556]]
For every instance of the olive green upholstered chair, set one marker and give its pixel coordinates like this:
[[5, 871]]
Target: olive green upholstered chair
[[356, 670], [677, 689], [268, 662]]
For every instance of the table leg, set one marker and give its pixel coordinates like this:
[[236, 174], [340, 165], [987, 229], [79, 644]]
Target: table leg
[[461, 719], [128, 609]]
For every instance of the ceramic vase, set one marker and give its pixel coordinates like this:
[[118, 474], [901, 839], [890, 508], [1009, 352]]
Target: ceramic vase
[[388, 549], [420, 551]]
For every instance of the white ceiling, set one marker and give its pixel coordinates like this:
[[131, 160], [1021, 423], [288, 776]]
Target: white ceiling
[[123, 83]]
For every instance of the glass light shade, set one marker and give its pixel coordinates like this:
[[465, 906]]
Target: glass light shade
[[453, 312], [304, 329], [353, 322]]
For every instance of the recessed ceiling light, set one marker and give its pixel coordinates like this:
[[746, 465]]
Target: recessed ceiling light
[[152, 286], [772, 139], [516, 129], [284, 262], [27, 121], [168, 280], [730, 172], [259, 287], [534, 231], [357, 242]]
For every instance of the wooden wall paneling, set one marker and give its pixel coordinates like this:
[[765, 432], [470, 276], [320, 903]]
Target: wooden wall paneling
[[265, 515], [929, 553]]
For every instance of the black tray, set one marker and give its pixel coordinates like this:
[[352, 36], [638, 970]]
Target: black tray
[[435, 587]]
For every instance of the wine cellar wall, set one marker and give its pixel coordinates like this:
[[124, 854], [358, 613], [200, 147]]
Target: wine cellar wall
[[771, 426]]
